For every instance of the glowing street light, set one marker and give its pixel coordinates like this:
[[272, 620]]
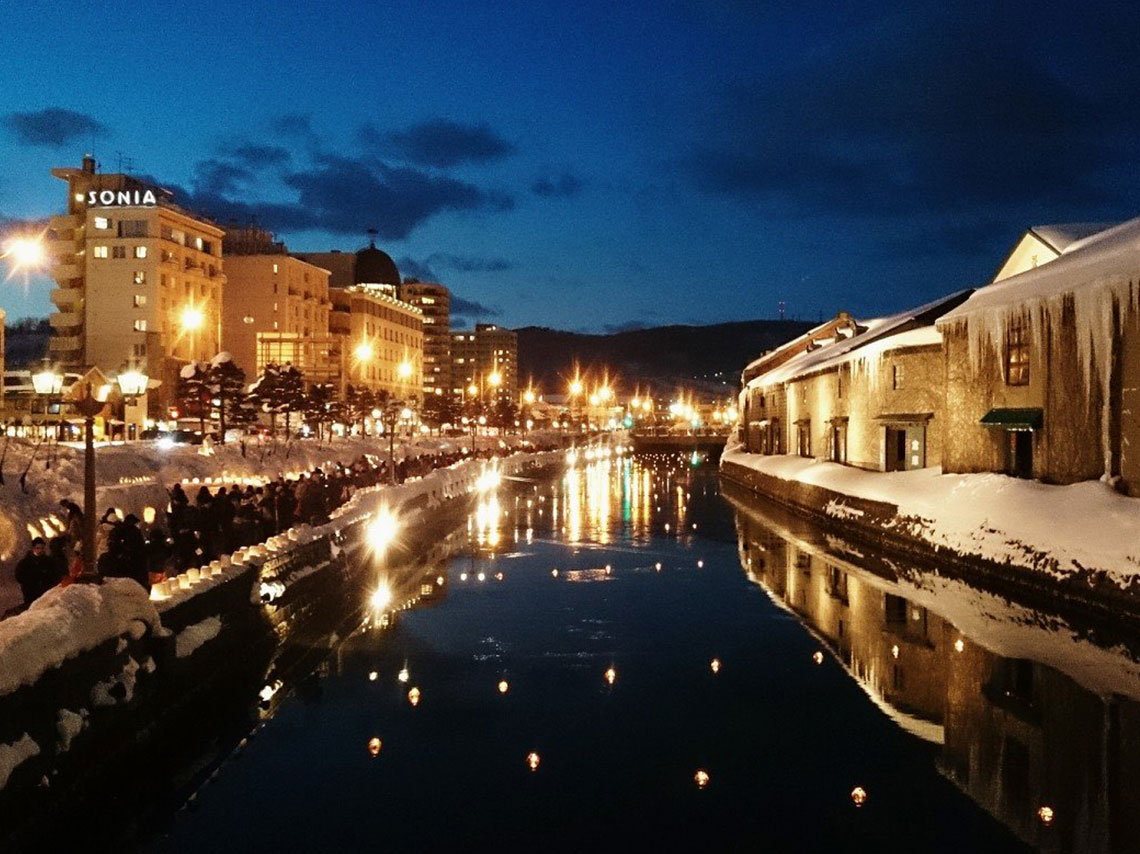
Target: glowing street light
[[495, 379], [405, 370], [575, 387], [191, 319], [363, 352], [381, 598], [529, 396], [25, 253]]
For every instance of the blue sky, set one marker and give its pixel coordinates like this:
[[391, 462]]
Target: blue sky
[[596, 165]]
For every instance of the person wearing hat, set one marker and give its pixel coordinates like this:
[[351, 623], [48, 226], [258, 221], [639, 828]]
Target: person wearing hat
[[36, 572]]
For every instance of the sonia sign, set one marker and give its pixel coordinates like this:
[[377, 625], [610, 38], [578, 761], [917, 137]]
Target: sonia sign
[[121, 197]]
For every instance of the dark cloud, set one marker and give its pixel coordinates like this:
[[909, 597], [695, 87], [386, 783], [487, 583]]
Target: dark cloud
[[346, 195], [955, 114], [471, 308], [425, 270], [412, 268], [440, 143], [294, 125], [256, 156], [53, 126], [562, 187], [469, 263], [214, 177], [341, 195]]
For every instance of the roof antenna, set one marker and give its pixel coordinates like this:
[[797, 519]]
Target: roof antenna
[[372, 238]]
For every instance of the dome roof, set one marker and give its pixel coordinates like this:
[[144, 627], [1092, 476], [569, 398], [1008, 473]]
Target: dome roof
[[375, 267]]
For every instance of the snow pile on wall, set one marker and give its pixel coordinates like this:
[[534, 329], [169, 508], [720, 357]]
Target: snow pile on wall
[[1083, 526], [192, 637], [11, 755], [66, 621]]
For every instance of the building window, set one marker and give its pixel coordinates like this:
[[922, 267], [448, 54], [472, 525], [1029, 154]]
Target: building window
[[132, 228], [140, 251], [99, 251], [140, 326], [140, 300], [102, 223], [139, 351], [140, 277], [1017, 352], [275, 272], [897, 378], [118, 252]]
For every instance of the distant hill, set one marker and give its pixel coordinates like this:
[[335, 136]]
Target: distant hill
[[661, 356], [26, 342]]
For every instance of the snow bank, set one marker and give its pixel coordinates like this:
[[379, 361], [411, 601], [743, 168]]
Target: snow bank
[[66, 621], [1083, 526], [135, 475], [12, 755], [192, 637]]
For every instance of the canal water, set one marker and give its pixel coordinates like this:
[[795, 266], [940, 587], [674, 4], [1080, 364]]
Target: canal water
[[628, 659]]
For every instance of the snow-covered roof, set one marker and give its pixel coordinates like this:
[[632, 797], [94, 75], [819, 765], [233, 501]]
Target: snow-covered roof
[[1061, 237], [798, 341], [1107, 257], [910, 328]]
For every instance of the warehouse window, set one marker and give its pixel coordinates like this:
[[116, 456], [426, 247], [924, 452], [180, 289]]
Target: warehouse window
[[1017, 353]]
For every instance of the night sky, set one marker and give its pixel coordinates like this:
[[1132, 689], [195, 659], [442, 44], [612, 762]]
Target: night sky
[[596, 165]]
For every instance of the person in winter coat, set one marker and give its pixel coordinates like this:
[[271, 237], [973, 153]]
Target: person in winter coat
[[35, 573], [127, 553]]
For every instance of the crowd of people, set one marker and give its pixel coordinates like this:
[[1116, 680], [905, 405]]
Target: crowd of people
[[199, 528]]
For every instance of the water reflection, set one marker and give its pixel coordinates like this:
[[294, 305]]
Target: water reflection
[[1037, 721]]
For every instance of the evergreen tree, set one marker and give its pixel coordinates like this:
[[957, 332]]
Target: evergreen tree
[[226, 382], [192, 393]]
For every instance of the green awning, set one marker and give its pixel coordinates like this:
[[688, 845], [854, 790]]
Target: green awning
[[1014, 419]]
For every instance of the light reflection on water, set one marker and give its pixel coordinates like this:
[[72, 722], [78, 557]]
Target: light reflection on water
[[669, 703]]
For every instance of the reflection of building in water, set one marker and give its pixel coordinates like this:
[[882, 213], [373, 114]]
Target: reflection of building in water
[[895, 649], [1018, 735]]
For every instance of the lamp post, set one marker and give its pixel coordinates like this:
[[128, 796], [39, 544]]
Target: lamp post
[[88, 402], [133, 384], [47, 384], [495, 379]]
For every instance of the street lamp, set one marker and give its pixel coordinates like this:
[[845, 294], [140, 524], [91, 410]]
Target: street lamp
[[363, 352], [191, 320], [88, 402], [25, 253], [133, 384]]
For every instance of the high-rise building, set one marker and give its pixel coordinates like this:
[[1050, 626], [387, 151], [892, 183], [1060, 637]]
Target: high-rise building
[[484, 363], [139, 280], [382, 337], [434, 300], [276, 309], [341, 266]]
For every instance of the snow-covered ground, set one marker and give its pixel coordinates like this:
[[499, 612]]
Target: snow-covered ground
[[1083, 526], [136, 475]]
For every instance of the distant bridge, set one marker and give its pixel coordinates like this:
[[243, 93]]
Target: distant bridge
[[707, 443]]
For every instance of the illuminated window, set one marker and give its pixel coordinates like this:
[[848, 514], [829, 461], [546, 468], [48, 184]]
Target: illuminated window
[[1017, 353], [99, 251], [140, 251], [275, 270], [140, 300], [140, 326], [102, 223], [140, 277]]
